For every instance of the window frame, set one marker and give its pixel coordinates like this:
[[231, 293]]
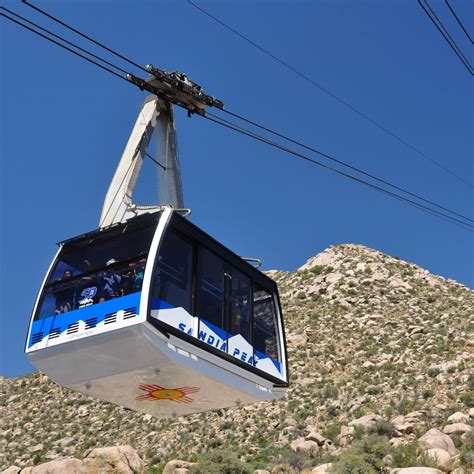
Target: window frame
[[194, 250], [199, 240]]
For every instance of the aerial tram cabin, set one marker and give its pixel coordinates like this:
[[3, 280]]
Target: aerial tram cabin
[[150, 312]]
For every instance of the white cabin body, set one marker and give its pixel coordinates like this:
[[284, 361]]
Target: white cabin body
[[155, 315]]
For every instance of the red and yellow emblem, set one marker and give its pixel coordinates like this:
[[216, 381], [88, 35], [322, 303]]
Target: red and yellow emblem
[[178, 395]]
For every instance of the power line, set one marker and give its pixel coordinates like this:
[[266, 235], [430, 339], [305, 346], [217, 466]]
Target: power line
[[240, 117], [64, 47], [459, 21], [448, 36], [64, 40], [237, 128], [331, 94], [222, 121], [98, 43], [441, 28], [354, 168]]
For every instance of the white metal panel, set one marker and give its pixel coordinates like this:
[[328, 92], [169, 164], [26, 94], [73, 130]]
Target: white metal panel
[[118, 199], [152, 256], [116, 365]]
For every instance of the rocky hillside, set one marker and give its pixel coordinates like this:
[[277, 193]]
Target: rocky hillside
[[381, 357]]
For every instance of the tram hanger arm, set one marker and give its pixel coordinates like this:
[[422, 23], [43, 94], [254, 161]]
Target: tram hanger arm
[[118, 201]]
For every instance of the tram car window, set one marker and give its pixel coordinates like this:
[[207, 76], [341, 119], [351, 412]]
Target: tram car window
[[91, 272], [205, 291]]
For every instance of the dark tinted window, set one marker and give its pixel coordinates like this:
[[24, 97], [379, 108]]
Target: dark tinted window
[[95, 254], [211, 288], [264, 325], [240, 295], [173, 273], [96, 270]]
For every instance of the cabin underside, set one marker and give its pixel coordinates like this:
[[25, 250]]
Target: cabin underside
[[138, 368]]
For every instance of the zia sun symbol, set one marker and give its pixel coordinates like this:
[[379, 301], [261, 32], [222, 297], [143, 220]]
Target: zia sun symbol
[[178, 395]]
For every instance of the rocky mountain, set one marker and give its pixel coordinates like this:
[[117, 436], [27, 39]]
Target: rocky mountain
[[381, 360]]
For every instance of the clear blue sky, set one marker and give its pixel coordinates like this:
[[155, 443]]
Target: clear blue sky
[[64, 124]]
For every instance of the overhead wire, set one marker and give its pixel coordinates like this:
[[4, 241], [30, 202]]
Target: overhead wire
[[235, 127], [80, 33], [63, 39], [63, 46], [459, 21], [319, 86], [255, 136], [332, 158], [243, 118], [444, 32]]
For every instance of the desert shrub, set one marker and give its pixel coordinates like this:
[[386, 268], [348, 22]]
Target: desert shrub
[[467, 398], [405, 405], [286, 460], [220, 461], [332, 431], [383, 428], [366, 456], [332, 411], [433, 372], [359, 432], [404, 455], [408, 455], [353, 463], [427, 393], [373, 390], [466, 451], [317, 269], [329, 391]]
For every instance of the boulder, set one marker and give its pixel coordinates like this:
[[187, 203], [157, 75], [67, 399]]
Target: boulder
[[395, 442], [471, 413], [12, 470], [435, 439], [322, 259], [58, 466], [345, 436], [316, 436], [63, 442], [261, 471], [35, 448], [322, 469], [347, 431], [367, 421], [441, 457], [416, 470], [334, 277], [297, 340], [116, 459], [457, 428], [458, 417], [301, 444], [291, 422], [403, 425], [177, 466]]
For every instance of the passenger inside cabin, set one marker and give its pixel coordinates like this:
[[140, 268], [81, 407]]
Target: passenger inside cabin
[[132, 279], [87, 287], [111, 283], [138, 277], [64, 296]]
